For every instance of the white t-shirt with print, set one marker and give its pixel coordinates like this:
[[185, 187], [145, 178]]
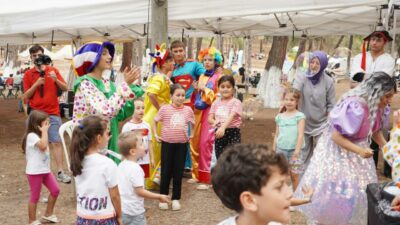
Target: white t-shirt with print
[[143, 127], [130, 176], [99, 173], [232, 221], [37, 161]]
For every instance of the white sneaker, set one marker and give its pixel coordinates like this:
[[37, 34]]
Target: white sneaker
[[53, 218], [163, 206], [62, 177], [203, 187], [44, 200], [36, 222], [176, 205], [192, 181]]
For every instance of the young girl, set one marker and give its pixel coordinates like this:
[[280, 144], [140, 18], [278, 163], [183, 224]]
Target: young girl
[[36, 147], [225, 115], [289, 132], [137, 124], [98, 201], [131, 179], [176, 119]]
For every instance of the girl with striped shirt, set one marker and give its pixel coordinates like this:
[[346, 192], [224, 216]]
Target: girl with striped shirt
[[176, 121]]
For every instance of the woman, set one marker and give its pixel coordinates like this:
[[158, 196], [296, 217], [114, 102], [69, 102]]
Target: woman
[[158, 94], [342, 164], [95, 95], [318, 98], [207, 90]]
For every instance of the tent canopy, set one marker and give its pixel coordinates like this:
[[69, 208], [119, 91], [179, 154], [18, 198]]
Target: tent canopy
[[126, 19]]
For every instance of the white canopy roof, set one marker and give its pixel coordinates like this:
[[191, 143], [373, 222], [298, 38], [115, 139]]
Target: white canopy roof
[[27, 21]]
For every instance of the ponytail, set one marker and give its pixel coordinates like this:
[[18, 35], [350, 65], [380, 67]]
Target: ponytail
[[83, 138]]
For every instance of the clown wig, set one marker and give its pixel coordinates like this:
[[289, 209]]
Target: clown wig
[[213, 52]]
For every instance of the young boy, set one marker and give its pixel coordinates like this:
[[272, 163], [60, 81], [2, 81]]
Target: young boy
[[131, 180], [252, 180], [137, 124]]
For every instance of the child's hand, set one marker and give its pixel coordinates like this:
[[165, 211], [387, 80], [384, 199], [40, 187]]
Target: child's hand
[[119, 221], [307, 191], [164, 199], [396, 118], [152, 162], [159, 140], [295, 156], [45, 126], [216, 123], [220, 133]]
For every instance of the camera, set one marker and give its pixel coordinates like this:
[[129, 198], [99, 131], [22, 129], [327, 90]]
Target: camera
[[43, 60]]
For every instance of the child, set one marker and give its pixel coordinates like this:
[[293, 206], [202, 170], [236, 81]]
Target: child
[[225, 115], [176, 119], [98, 200], [131, 179], [36, 147], [137, 123], [251, 180], [289, 133]]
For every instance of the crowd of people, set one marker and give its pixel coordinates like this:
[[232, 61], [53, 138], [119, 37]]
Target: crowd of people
[[187, 119]]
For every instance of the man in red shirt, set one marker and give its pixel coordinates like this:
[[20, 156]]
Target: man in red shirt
[[9, 85], [41, 94]]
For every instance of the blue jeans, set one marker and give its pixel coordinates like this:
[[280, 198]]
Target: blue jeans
[[286, 152], [133, 220]]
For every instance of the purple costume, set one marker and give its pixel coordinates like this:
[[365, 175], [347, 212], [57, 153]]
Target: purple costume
[[340, 177]]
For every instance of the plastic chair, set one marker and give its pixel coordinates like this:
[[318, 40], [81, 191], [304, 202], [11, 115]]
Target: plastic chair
[[66, 127]]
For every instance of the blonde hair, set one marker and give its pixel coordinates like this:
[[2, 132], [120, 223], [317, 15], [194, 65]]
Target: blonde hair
[[296, 95], [127, 141]]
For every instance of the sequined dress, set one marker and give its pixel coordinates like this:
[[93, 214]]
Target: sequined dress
[[340, 177]]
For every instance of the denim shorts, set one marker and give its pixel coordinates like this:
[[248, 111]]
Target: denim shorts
[[133, 220], [55, 124], [287, 153], [296, 166]]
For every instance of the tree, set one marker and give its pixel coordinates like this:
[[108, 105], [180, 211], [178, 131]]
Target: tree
[[199, 41], [339, 42], [190, 48], [126, 55], [277, 54], [349, 55], [302, 48]]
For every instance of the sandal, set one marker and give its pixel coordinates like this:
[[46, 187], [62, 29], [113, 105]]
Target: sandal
[[53, 218]]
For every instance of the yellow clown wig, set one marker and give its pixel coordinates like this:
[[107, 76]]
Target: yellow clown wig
[[213, 52]]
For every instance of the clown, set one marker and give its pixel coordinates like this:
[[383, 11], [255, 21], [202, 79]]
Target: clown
[[95, 95], [158, 94], [206, 93], [391, 151]]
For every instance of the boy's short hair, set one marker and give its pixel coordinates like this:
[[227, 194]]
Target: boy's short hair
[[244, 167], [127, 141], [177, 44], [36, 48]]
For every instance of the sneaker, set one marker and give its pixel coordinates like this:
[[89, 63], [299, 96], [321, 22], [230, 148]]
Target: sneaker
[[192, 181], [36, 222], [44, 200], [202, 187], [53, 218], [176, 205], [62, 177], [163, 206]]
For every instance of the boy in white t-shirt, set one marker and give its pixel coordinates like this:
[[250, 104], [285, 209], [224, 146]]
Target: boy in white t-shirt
[[131, 179], [137, 124]]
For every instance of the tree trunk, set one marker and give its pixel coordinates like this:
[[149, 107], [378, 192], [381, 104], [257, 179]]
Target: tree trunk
[[339, 42], [126, 55], [261, 46], [159, 23], [349, 55], [277, 54], [190, 48], [310, 45], [198, 45], [302, 48]]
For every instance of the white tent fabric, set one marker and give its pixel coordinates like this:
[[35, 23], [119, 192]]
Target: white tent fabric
[[64, 53], [24, 21]]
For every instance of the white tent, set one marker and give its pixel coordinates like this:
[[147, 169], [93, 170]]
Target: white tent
[[64, 53], [24, 21]]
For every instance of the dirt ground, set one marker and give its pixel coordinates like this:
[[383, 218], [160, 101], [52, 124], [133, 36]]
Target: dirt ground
[[199, 207]]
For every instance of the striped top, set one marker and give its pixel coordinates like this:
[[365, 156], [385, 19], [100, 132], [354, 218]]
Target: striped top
[[223, 108], [174, 127]]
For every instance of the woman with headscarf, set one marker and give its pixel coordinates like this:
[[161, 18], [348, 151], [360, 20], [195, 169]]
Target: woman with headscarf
[[342, 165], [206, 94], [317, 100], [95, 95]]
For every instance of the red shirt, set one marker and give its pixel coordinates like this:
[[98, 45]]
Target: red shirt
[[175, 121], [49, 102], [10, 81]]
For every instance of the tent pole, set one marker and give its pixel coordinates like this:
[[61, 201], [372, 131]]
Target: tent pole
[[6, 56], [393, 51]]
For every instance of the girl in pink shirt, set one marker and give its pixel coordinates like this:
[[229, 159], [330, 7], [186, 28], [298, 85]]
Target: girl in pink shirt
[[176, 122], [225, 115]]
